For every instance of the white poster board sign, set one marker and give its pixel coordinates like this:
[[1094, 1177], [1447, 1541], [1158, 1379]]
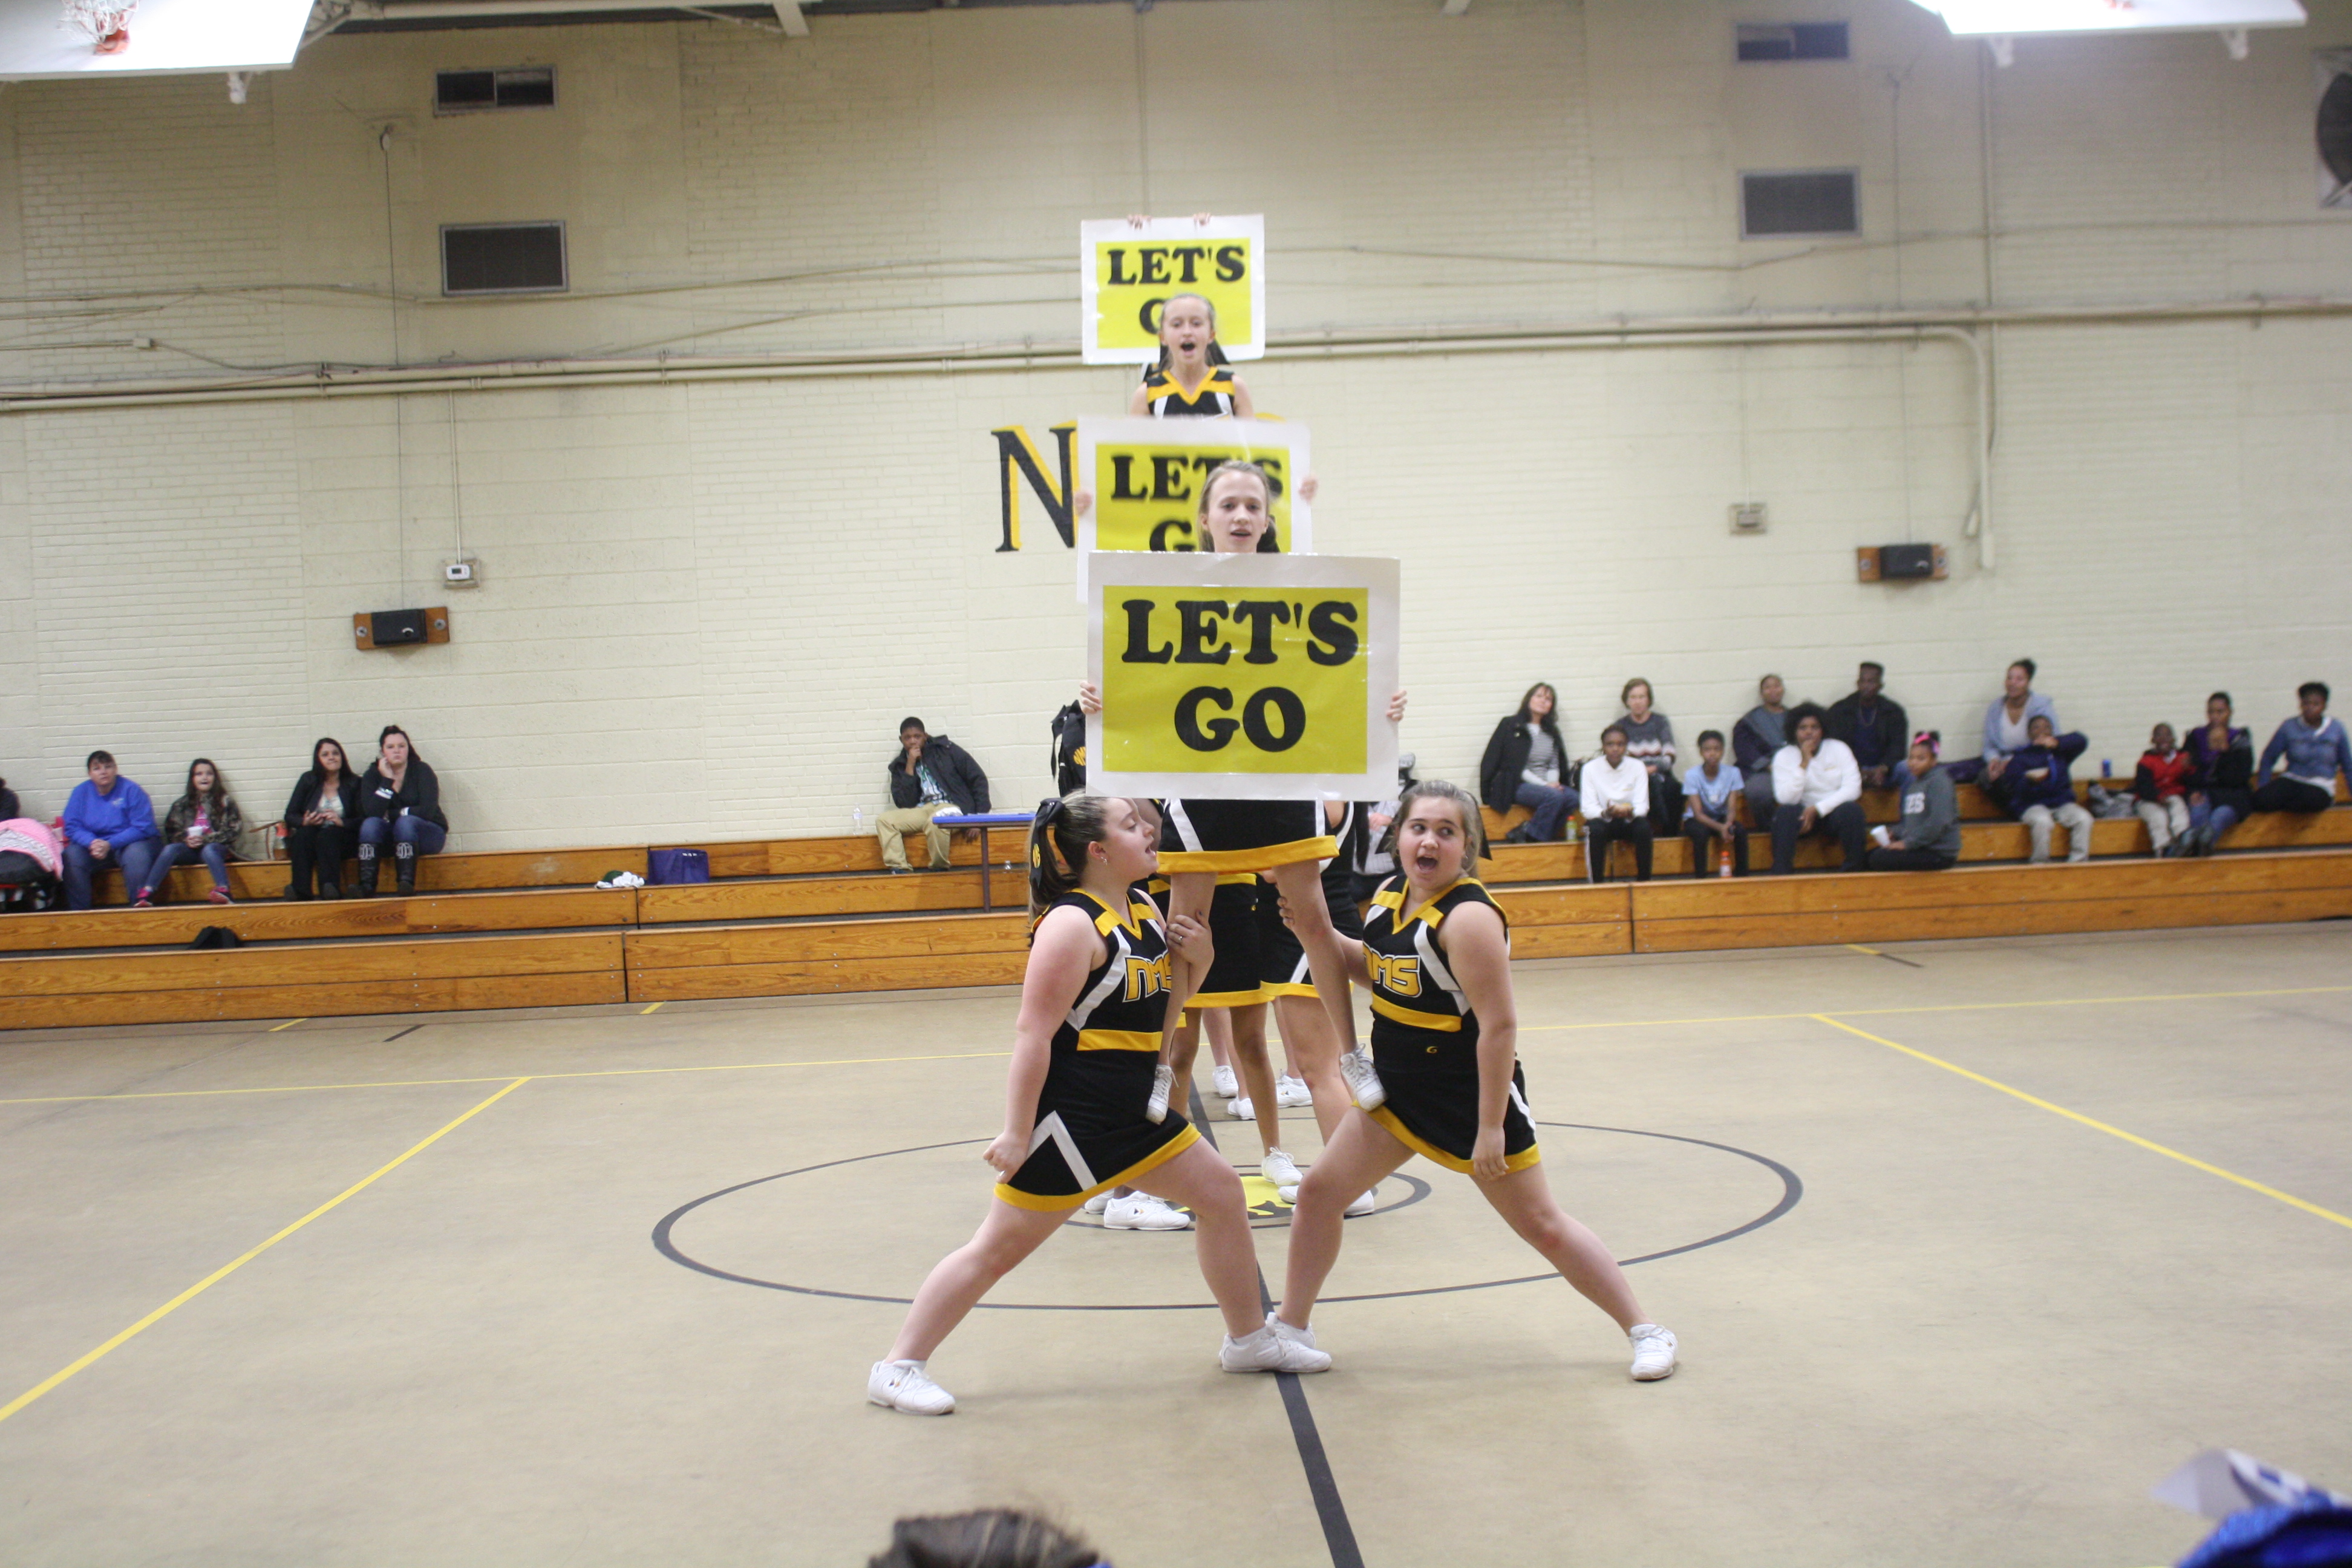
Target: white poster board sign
[[1127, 271], [1242, 677]]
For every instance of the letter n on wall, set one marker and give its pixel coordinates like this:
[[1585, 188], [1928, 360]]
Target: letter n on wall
[[1017, 459]]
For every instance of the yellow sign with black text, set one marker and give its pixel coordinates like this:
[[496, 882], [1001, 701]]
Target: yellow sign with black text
[[1130, 269], [1243, 676], [1145, 478]]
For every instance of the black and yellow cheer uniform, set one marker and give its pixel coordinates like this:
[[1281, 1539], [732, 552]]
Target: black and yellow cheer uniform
[[1282, 962], [1165, 399], [1091, 1131], [1425, 1038], [1241, 835], [1234, 971]]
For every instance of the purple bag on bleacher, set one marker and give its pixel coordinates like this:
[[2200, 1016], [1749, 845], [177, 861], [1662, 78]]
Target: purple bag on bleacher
[[668, 867]]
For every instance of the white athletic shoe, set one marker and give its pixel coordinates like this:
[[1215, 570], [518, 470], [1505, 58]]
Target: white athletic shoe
[[1163, 1084], [1242, 1110], [1280, 1169], [1141, 1211], [1099, 1202], [1654, 1352], [1356, 1066], [904, 1386], [1365, 1205], [1277, 1347], [1290, 1093], [1225, 1083]]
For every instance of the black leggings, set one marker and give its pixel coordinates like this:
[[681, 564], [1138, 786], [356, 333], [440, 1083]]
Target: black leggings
[[1600, 833], [320, 847], [2292, 794], [1909, 860], [1702, 842]]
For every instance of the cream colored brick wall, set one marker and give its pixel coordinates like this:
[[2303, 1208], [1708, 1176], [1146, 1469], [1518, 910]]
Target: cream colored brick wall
[[706, 607]]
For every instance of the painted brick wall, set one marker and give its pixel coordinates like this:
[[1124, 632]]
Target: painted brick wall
[[706, 607]]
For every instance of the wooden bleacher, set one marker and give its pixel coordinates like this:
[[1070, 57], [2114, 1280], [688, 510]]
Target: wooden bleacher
[[524, 927]]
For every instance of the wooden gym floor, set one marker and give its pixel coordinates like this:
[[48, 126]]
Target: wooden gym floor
[[2040, 1218]]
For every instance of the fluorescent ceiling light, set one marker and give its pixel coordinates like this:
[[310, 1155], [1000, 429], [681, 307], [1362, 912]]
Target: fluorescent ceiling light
[[166, 36], [2013, 18]]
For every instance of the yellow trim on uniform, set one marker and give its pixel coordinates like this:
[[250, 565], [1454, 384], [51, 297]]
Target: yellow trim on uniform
[[1388, 1009], [1237, 880], [1249, 998], [1390, 899], [1119, 1039], [1274, 988], [1430, 1151], [1149, 1162], [1441, 895], [1259, 859], [1130, 922]]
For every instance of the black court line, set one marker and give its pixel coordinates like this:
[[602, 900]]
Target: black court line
[[1904, 962], [1339, 1534], [403, 1035]]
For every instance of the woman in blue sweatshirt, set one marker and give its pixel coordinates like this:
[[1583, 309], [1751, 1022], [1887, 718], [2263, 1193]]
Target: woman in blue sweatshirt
[[109, 821], [2314, 748]]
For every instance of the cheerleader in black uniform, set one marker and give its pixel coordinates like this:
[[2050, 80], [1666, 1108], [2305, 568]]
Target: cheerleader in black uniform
[[1191, 378], [1083, 1057], [1437, 957], [1286, 840]]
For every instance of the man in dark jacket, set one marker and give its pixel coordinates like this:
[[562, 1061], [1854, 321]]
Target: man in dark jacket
[[1756, 740], [1873, 727], [931, 778]]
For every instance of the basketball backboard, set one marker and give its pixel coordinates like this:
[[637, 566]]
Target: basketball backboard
[[166, 36]]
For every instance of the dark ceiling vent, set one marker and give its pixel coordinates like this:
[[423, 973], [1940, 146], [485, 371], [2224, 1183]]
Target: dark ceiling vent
[[1759, 42], [468, 93], [502, 258], [1804, 202], [2334, 129]]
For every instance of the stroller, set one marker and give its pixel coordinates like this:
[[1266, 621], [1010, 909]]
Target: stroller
[[29, 858]]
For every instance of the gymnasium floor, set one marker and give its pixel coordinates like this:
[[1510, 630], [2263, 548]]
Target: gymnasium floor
[[1984, 1327]]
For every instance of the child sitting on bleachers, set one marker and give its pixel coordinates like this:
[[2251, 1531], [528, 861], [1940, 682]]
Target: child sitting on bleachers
[[2160, 786], [2041, 791], [1710, 787]]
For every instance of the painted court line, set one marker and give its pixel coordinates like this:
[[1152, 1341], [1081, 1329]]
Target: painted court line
[[643, 1011], [495, 1078], [2189, 1160], [216, 1276], [287, 1024]]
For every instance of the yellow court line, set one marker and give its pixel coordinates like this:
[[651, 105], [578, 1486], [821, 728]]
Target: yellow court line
[[544, 1077], [2112, 1132], [287, 1024], [1868, 952], [1943, 1008], [643, 1011], [217, 1275]]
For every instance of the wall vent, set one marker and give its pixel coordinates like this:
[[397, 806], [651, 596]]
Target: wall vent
[[469, 92], [1762, 42], [502, 258], [1800, 201]]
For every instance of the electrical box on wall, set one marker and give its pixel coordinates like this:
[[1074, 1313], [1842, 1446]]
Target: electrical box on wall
[[463, 573], [1901, 563], [1747, 517], [400, 628]]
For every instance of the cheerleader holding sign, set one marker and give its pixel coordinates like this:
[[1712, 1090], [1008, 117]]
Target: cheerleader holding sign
[[1083, 1052], [1437, 957]]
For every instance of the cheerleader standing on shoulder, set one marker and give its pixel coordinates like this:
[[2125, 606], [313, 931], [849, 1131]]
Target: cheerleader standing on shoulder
[[1436, 955], [1083, 1057]]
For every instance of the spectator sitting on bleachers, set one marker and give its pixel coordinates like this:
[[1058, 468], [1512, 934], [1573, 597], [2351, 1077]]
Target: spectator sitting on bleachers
[[2221, 781], [2313, 748], [108, 821], [930, 778], [202, 824], [1817, 788], [400, 804], [2041, 791], [1709, 788], [1873, 727], [1649, 740], [2160, 792], [1527, 765], [322, 818], [1615, 791], [1929, 836], [2008, 721], [1756, 740]]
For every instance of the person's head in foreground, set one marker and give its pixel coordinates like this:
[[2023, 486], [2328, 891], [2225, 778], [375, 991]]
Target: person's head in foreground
[[984, 1538]]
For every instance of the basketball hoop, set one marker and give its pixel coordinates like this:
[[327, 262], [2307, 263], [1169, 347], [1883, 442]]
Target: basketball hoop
[[106, 23]]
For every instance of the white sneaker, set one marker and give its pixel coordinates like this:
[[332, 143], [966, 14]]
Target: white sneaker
[[1163, 1084], [904, 1386], [1099, 1202], [1290, 1093], [1242, 1110], [1277, 1347], [1225, 1083], [1654, 1352], [1281, 1169], [1365, 1205], [1356, 1066], [1141, 1211]]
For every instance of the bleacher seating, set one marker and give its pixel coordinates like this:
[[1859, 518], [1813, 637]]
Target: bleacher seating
[[524, 927]]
